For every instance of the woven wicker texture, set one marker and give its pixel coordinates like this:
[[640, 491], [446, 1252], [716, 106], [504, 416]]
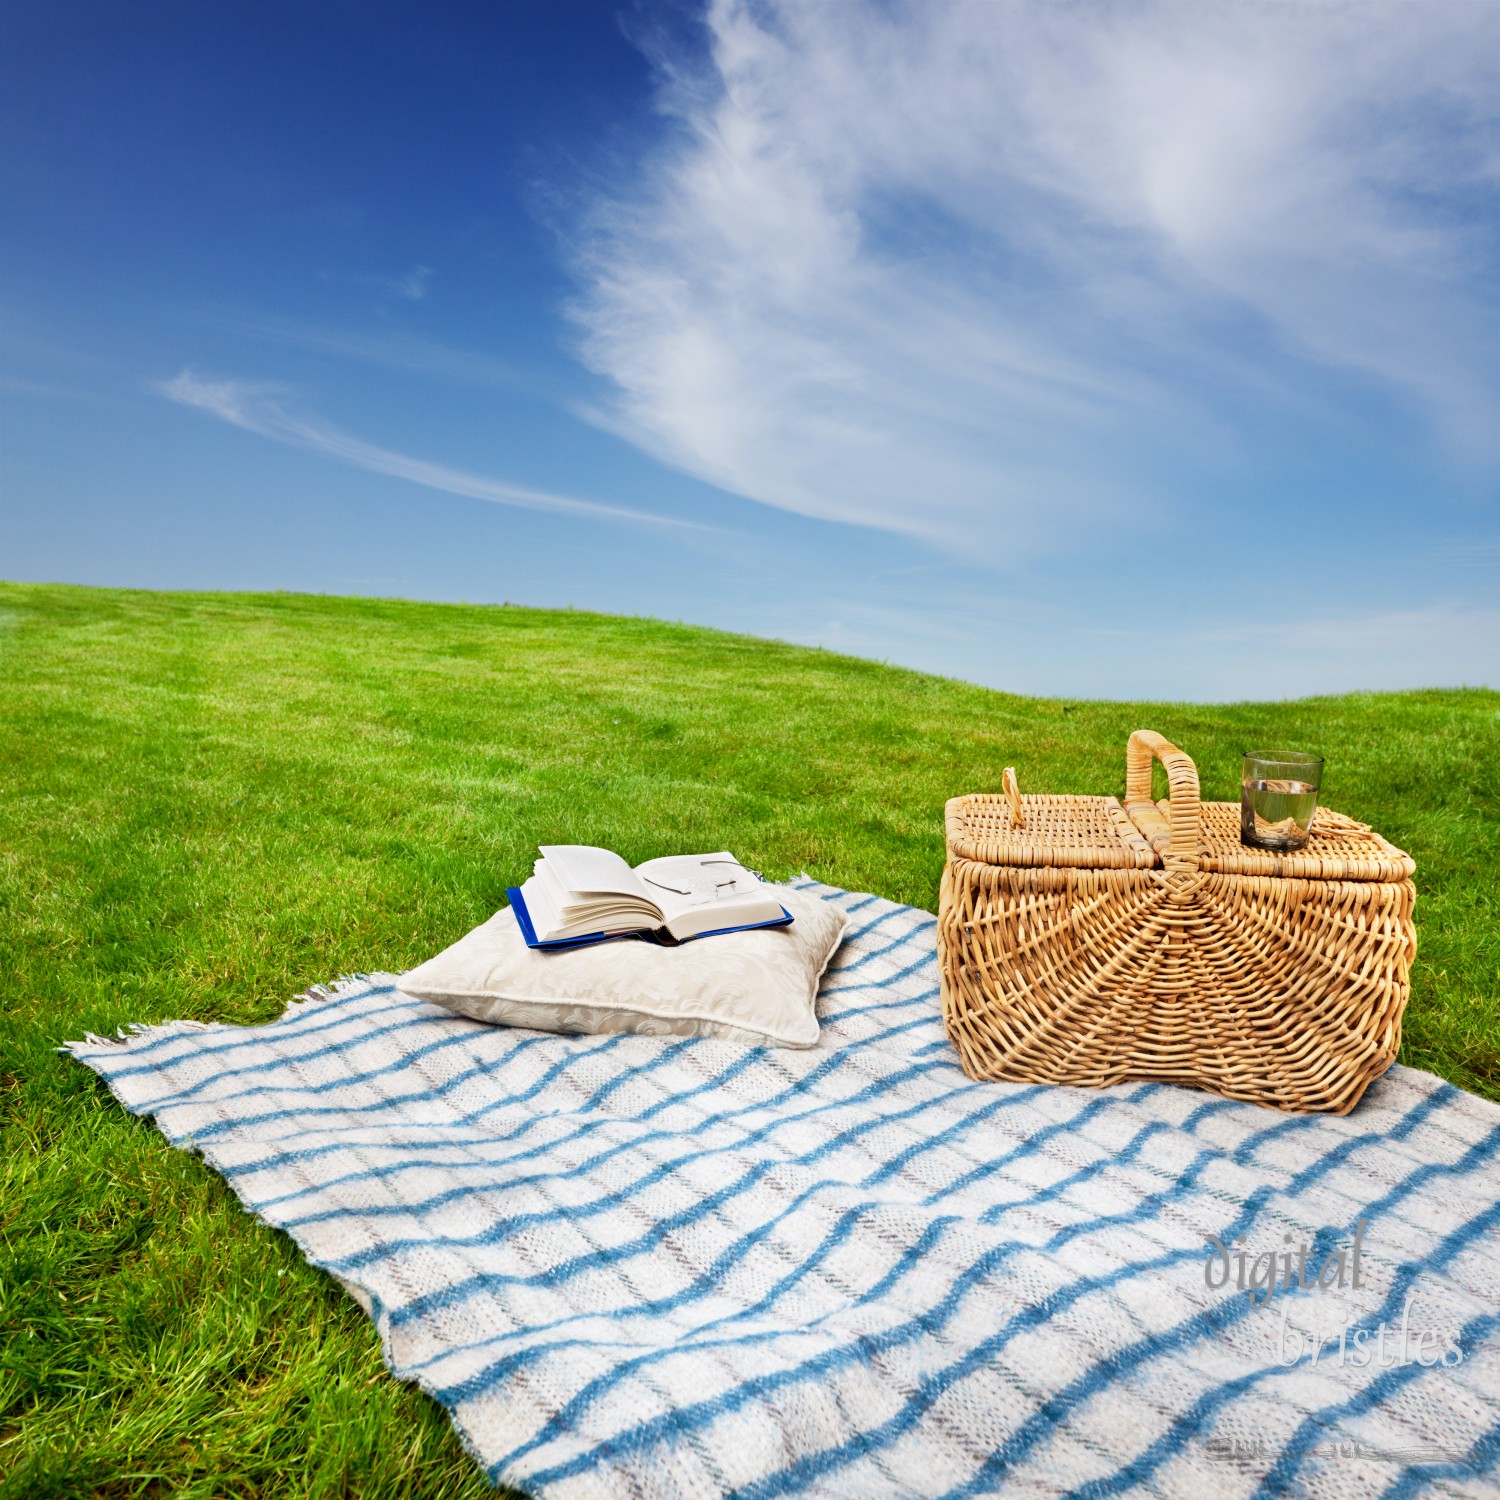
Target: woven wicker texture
[[1086, 832], [1284, 989], [1339, 849]]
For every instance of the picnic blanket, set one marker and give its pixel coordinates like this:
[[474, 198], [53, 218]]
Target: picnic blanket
[[654, 1267]]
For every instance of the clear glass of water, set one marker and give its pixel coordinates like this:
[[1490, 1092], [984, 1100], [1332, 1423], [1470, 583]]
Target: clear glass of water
[[1278, 797]]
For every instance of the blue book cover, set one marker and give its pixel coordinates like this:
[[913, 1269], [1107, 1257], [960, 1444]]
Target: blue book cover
[[646, 935]]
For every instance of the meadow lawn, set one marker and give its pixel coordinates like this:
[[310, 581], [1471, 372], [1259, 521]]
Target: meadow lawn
[[209, 802]]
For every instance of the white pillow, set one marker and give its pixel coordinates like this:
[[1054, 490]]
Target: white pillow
[[758, 987]]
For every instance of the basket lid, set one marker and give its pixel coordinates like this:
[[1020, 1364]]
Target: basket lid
[[1082, 832], [1338, 848]]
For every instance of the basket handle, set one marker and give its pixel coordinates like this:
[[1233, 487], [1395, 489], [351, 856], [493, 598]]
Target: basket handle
[[1182, 781], [1012, 790]]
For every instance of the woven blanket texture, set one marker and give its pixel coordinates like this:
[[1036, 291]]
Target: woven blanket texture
[[647, 1267]]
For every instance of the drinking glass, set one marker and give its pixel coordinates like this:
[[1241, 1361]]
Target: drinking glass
[[1278, 797]]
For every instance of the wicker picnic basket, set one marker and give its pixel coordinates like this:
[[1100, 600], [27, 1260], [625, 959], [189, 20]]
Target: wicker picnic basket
[[1085, 942]]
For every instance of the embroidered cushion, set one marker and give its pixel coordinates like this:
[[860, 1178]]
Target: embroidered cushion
[[758, 987]]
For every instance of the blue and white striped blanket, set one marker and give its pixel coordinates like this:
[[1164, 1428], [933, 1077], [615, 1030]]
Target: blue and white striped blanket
[[639, 1266]]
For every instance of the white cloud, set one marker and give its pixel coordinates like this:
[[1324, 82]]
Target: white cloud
[[260, 409], [954, 268]]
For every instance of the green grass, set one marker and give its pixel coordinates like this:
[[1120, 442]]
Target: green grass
[[208, 802]]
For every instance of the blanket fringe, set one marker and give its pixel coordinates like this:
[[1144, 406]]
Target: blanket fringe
[[345, 984], [335, 989], [139, 1031]]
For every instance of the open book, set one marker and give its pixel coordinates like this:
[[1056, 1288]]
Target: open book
[[579, 894]]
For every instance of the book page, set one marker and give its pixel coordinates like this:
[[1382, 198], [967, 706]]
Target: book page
[[582, 870], [704, 892], [549, 923], [577, 890]]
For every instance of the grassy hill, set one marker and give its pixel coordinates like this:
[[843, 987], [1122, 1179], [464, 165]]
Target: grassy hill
[[209, 801]]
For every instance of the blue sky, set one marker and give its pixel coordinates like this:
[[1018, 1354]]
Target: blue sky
[[1091, 350]]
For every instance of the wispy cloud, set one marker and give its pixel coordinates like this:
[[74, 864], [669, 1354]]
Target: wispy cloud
[[20, 385], [262, 409], [1382, 630], [1481, 550], [1443, 644], [958, 269], [404, 352], [410, 286]]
